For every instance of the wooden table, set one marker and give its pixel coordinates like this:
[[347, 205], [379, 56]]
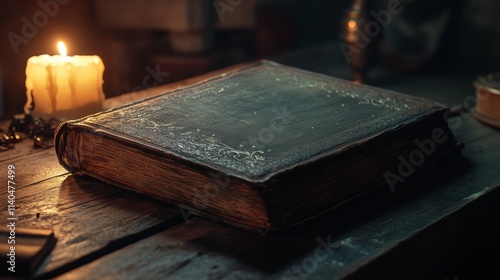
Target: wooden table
[[428, 227]]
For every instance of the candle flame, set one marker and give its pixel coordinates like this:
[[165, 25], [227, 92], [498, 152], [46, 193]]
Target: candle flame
[[62, 49], [352, 24]]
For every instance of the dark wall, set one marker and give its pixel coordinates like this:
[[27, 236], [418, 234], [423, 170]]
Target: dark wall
[[72, 21], [469, 40]]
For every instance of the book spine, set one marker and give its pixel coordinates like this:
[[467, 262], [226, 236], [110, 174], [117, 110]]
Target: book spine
[[66, 146]]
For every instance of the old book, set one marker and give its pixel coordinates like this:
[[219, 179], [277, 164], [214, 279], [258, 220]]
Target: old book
[[261, 147]]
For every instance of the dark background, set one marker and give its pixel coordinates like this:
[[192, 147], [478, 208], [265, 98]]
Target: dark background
[[427, 36]]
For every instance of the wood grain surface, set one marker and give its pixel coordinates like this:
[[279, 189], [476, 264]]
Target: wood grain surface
[[447, 212], [407, 233], [89, 218]]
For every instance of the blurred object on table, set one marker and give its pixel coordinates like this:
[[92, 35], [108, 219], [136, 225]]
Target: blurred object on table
[[488, 99]]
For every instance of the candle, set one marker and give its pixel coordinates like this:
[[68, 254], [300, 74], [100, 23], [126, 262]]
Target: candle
[[64, 87]]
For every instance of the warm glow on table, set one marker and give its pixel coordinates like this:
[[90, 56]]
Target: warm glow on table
[[64, 87]]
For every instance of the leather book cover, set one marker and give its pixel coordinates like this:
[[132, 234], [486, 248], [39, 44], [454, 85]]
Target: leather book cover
[[251, 125]]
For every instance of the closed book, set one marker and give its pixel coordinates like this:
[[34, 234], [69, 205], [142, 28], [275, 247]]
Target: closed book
[[261, 147]]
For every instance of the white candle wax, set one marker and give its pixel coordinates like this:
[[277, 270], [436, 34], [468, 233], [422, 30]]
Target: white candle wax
[[64, 87]]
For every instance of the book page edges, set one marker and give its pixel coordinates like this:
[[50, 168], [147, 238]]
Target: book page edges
[[90, 122], [251, 213], [68, 160]]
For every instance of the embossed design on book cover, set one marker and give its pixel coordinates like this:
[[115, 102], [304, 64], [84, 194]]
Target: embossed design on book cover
[[259, 120]]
